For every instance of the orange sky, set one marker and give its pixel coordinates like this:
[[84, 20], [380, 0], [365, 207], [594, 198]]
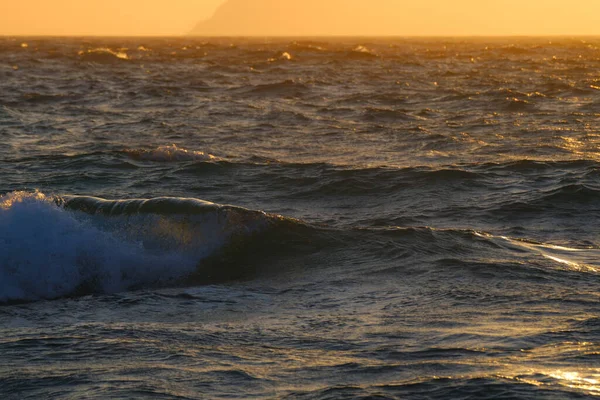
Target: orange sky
[[377, 17]]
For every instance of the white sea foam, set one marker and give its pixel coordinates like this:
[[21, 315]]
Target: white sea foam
[[284, 56], [362, 49]]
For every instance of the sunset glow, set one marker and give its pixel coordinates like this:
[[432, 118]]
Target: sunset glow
[[309, 17]]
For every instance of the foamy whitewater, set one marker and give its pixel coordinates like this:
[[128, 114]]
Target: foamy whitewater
[[316, 219]]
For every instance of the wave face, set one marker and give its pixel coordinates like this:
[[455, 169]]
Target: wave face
[[380, 218]]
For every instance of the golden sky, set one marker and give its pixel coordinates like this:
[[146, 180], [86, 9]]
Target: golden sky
[[301, 17]]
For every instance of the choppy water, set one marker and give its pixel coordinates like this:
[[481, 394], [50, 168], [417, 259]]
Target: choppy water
[[360, 218]]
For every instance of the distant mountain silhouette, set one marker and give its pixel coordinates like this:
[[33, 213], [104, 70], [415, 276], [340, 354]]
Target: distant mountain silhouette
[[393, 17]]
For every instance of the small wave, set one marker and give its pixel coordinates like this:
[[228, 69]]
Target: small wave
[[170, 153], [516, 50], [571, 200], [333, 181], [283, 56], [285, 88], [517, 105], [535, 167], [358, 53], [390, 114], [571, 194], [34, 97], [362, 52], [308, 46], [102, 55]]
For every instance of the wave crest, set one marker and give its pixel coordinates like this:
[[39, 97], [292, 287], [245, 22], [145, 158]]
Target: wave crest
[[103, 55]]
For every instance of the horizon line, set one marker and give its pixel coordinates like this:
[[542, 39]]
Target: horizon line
[[256, 36]]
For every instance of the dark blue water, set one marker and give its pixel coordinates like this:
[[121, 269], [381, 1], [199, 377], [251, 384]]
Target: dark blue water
[[316, 219]]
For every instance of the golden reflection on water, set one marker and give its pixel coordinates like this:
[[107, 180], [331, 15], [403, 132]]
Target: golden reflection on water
[[576, 381], [586, 380], [569, 379]]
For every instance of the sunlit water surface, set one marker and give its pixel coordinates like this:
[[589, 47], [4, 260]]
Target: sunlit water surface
[[322, 218]]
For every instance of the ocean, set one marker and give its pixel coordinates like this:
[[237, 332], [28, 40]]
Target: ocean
[[311, 218]]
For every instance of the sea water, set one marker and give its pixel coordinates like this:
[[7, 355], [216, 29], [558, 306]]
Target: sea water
[[294, 218]]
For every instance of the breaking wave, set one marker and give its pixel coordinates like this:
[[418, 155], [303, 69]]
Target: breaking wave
[[57, 246], [53, 247]]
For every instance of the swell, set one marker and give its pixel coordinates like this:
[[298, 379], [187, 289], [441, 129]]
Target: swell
[[514, 189], [538, 181], [288, 87], [496, 192]]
